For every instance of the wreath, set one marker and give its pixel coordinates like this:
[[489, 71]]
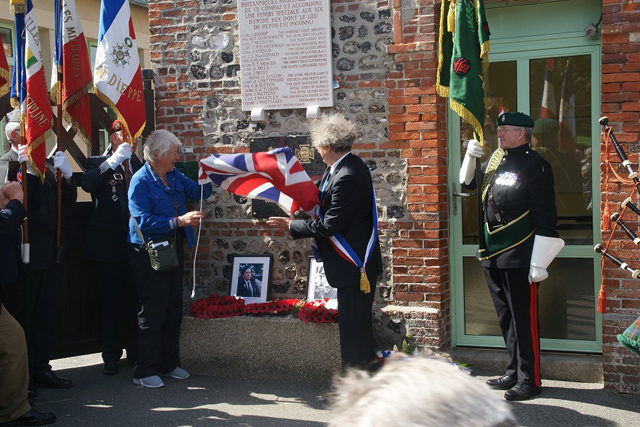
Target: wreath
[[215, 307]]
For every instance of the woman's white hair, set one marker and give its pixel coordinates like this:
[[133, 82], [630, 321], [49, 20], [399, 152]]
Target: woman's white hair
[[158, 143], [333, 130], [417, 391]]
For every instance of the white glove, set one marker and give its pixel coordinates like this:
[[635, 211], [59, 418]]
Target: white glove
[[123, 152], [23, 157], [468, 168], [60, 162], [537, 274], [474, 149], [544, 251]]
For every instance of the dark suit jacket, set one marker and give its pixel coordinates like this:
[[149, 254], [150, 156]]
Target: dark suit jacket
[[41, 216], [11, 218], [106, 238], [347, 209], [242, 291]]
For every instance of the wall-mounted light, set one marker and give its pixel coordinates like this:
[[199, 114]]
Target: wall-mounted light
[[592, 29]]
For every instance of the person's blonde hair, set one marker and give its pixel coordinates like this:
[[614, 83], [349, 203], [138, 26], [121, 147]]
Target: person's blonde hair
[[333, 130], [160, 140]]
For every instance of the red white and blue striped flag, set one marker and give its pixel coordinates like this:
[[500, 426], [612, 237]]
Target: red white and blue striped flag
[[567, 119], [29, 87], [116, 73], [548, 96], [276, 176]]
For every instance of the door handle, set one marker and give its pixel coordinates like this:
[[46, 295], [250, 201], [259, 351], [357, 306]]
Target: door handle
[[457, 194]]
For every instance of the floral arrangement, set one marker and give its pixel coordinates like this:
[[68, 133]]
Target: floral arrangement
[[214, 306], [315, 311], [283, 307]]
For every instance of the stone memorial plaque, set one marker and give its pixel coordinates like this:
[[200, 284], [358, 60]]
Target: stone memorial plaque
[[285, 54], [310, 159]]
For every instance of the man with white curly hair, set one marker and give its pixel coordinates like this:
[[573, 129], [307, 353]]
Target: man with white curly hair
[[417, 391], [346, 235]]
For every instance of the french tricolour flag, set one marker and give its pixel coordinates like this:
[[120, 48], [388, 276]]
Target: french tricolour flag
[[276, 175], [29, 87], [116, 72]]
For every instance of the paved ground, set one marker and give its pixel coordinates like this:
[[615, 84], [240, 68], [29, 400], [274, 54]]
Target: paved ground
[[97, 400]]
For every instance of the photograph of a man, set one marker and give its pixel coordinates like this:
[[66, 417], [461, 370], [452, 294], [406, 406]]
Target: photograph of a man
[[248, 285]]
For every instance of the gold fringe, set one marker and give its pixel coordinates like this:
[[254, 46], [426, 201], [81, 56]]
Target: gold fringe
[[470, 118], [4, 75], [441, 90], [77, 128], [451, 17], [104, 98], [364, 283], [35, 144]]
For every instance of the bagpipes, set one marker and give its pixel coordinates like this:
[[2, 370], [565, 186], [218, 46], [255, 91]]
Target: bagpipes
[[630, 338]]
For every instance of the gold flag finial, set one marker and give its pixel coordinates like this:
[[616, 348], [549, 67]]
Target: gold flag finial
[[18, 6]]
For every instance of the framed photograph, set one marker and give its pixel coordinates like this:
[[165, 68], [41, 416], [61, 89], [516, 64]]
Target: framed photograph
[[250, 277], [317, 285]]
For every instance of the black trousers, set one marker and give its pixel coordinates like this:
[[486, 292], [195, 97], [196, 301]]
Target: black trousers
[[355, 322], [118, 307], [516, 303], [160, 316], [39, 315]]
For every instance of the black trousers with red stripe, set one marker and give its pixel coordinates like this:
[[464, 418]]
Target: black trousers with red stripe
[[516, 303]]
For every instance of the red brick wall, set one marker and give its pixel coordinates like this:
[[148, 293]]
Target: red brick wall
[[620, 96], [417, 126]]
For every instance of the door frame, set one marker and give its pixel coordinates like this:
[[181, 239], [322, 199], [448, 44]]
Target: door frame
[[522, 52]]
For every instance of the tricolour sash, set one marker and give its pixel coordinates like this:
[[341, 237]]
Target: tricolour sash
[[342, 246]]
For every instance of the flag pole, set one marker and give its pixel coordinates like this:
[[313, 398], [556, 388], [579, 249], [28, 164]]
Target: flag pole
[[59, 177], [480, 208], [126, 136], [25, 224]]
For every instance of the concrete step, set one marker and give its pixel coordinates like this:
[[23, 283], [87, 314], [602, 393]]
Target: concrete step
[[576, 367]]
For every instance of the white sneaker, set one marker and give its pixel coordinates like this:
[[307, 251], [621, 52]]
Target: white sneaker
[[178, 373], [153, 381]]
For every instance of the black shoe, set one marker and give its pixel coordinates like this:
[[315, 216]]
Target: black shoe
[[110, 368], [522, 391], [503, 383], [51, 380], [31, 418]]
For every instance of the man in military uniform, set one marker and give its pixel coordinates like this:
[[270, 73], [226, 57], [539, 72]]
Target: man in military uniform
[[106, 179], [520, 241], [39, 284]]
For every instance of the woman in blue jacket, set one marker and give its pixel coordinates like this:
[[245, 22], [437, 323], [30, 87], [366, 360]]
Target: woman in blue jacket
[[158, 195]]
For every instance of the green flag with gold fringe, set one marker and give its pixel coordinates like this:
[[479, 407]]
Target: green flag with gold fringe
[[462, 58]]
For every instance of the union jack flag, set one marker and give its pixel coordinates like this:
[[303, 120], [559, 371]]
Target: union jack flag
[[276, 175]]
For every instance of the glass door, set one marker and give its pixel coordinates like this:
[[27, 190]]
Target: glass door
[[559, 88]]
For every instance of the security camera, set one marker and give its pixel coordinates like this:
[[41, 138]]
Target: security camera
[[591, 30]]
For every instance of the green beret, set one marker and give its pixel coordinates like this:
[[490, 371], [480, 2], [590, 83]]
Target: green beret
[[545, 126], [13, 116], [515, 119]]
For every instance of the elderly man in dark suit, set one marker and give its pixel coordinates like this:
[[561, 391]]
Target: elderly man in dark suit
[[105, 178], [348, 214], [40, 283], [248, 286]]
